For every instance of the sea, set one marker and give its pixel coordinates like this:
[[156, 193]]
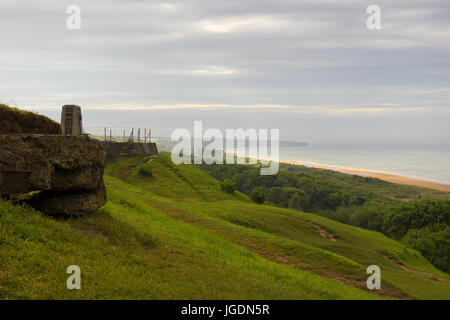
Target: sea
[[426, 162], [423, 162]]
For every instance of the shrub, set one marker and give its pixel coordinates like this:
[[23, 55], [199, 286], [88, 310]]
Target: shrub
[[145, 171], [258, 195], [228, 186], [274, 195], [435, 246], [299, 201], [366, 217], [416, 215]]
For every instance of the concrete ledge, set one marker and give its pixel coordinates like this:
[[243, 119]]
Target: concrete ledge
[[66, 170], [115, 150]]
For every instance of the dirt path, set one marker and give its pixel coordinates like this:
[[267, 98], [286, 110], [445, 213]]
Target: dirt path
[[401, 265], [324, 233]]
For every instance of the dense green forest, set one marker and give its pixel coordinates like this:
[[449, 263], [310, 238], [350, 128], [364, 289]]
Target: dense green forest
[[419, 217]]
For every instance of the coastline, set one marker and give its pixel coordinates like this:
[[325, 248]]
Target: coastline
[[389, 177], [394, 178]]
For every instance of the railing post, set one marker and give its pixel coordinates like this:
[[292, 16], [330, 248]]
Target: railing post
[[110, 134], [130, 139], [145, 135], [105, 133], [123, 135], [139, 135]]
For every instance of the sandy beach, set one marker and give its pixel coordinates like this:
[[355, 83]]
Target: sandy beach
[[394, 178], [380, 175]]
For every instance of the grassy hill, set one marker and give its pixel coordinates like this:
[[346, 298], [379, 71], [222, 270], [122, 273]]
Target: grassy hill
[[169, 232], [16, 121]]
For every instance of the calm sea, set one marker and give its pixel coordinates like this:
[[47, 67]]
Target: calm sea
[[429, 163]]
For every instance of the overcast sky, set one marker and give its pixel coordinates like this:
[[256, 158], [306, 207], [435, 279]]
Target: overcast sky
[[310, 68]]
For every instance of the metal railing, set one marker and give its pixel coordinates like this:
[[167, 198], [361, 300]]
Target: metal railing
[[130, 134]]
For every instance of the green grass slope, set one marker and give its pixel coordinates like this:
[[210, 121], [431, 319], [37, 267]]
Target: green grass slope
[[16, 121], [169, 232]]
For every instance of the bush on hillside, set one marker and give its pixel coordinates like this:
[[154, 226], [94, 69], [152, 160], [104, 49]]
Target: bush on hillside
[[435, 246], [423, 225], [145, 171], [416, 215], [289, 197], [258, 195], [228, 186]]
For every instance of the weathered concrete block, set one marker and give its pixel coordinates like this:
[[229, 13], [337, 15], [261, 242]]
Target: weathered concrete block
[[69, 204], [61, 167]]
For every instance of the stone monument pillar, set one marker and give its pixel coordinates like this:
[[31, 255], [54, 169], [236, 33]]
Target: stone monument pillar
[[71, 120]]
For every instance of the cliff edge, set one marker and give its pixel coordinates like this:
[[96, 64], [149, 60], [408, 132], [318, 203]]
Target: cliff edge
[[57, 174]]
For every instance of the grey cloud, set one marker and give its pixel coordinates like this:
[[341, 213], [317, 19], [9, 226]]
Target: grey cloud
[[253, 52]]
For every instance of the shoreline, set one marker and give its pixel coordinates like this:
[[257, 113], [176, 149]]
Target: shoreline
[[389, 177]]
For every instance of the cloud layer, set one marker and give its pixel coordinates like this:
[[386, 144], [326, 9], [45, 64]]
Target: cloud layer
[[312, 58]]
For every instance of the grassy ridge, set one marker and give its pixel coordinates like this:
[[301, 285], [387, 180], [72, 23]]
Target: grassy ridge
[[16, 121], [129, 250], [286, 236], [170, 232]]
